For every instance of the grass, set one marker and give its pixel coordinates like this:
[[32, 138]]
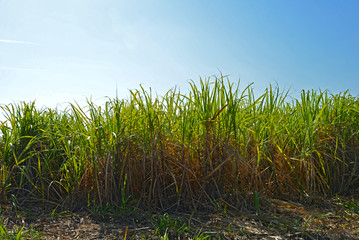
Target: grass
[[215, 144], [17, 232], [166, 226]]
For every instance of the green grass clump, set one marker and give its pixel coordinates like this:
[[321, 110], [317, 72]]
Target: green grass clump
[[215, 144]]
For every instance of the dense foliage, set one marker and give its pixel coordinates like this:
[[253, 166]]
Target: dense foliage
[[213, 145]]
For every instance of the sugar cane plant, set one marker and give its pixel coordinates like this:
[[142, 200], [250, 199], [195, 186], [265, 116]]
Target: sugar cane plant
[[214, 144]]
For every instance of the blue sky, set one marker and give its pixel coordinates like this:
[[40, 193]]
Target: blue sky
[[61, 51]]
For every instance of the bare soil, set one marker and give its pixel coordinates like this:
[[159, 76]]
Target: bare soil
[[324, 219]]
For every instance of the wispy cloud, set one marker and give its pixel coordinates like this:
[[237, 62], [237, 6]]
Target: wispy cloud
[[17, 42], [18, 68]]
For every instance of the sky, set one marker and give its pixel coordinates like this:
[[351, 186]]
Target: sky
[[57, 52]]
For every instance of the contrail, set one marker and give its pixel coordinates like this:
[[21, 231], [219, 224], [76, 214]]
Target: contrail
[[16, 42], [17, 68]]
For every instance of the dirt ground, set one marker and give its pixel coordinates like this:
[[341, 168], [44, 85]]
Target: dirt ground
[[284, 220]]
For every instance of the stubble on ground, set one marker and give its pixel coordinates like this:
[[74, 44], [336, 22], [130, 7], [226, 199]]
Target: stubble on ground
[[282, 220]]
